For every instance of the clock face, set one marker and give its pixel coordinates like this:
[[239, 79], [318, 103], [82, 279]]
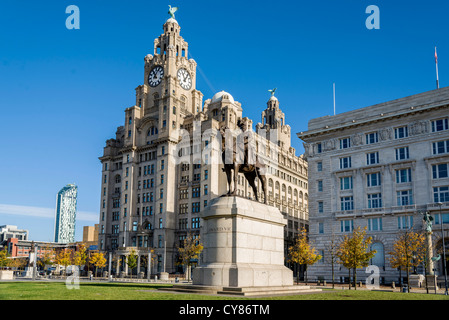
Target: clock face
[[184, 79], [155, 76]]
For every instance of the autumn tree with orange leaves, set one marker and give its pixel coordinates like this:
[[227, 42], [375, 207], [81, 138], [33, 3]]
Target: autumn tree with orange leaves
[[302, 253], [409, 251], [353, 252]]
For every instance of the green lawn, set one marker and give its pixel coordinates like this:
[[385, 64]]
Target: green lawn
[[28, 290]]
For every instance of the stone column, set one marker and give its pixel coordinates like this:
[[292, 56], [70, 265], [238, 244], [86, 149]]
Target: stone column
[[117, 269]]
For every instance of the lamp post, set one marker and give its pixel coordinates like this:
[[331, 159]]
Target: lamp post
[[440, 204]]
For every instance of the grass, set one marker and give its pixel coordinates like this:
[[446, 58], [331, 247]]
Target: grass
[[28, 290]]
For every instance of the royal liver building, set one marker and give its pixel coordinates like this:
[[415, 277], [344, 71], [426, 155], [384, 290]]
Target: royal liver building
[[162, 168]]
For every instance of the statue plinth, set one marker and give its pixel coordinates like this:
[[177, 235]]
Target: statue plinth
[[243, 245]]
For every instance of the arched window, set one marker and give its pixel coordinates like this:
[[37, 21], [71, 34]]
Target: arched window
[[379, 257], [118, 179], [277, 186]]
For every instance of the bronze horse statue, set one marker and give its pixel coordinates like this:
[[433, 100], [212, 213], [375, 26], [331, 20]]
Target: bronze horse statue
[[250, 171]]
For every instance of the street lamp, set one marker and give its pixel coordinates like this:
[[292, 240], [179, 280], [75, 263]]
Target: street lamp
[[440, 204]]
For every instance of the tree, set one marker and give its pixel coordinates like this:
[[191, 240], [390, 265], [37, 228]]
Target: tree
[[189, 250], [131, 261], [302, 253], [4, 261], [409, 251], [64, 258], [48, 257], [332, 249], [353, 252], [98, 259], [80, 255]]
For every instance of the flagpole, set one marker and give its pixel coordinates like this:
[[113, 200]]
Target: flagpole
[[436, 66]]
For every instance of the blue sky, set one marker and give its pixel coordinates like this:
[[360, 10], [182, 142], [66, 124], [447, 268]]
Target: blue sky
[[63, 92]]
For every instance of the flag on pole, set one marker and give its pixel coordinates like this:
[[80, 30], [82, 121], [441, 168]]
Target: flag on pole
[[436, 65]]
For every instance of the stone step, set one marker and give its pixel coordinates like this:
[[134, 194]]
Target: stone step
[[260, 291], [244, 291]]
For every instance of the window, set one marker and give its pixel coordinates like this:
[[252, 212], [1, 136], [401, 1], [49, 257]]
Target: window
[[206, 174], [320, 227], [183, 194], [115, 229], [160, 223], [404, 197], [320, 185], [375, 224], [440, 147], [320, 207], [319, 148], [373, 179], [372, 158], [196, 192], [162, 165], [402, 153], [183, 208], [319, 166], [195, 223], [161, 193], [445, 218], [205, 189], [401, 132], [347, 203], [403, 175], [161, 208], [347, 225], [441, 194], [405, 222], [195, 207], [439, 125], [346, 183], [440, 171], [345, 162], [375, 200], [345, 143], [162, 179], [134, 225], [372, 138]]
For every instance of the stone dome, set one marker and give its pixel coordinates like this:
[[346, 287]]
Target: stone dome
[[222, 95], [172, 20]]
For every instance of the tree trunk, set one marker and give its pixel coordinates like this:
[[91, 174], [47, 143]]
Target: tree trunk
[[354, 271], [349, 278]]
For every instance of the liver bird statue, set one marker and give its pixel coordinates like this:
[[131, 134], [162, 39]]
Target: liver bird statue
[[171, 11], [272, 91]]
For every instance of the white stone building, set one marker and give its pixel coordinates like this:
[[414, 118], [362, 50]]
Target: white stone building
[[378, 167], [160, 170]]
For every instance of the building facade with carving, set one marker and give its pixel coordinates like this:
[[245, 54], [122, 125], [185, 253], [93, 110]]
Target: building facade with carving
[[378, 167], [161, 169]]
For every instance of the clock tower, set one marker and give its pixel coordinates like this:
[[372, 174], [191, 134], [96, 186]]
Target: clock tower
[[169, 92]]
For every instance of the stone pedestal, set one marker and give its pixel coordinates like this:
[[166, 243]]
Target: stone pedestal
[[416, 281], [6, 275], [243, 245], [163, 276], [432, 283]]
